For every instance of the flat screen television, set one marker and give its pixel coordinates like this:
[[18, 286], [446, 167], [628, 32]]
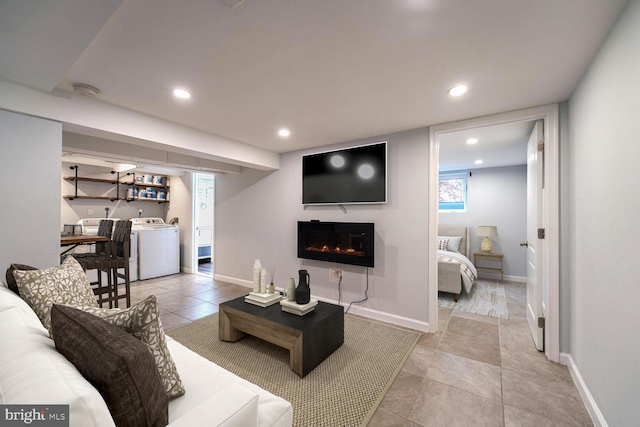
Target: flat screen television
[[347, 176]]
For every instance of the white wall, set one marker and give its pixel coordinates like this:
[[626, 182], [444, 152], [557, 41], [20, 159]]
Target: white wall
[[181, 207], [257, 214], [29, 190], [605, 296], [497, 196]]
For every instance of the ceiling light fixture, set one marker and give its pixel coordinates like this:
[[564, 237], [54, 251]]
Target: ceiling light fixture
[[478, 162], [181, 93], [472, 141], [85, 89], [284, 132], [458, 90], [123, 167]]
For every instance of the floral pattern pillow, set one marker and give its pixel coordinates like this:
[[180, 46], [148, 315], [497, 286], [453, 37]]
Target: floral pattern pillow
[[143, 322], [65, 284], [442, 244]]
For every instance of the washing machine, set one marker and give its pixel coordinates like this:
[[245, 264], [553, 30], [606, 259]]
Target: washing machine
[[158, 247], [90, 227]]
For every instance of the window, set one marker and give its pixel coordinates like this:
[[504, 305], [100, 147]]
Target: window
[[452, 192]]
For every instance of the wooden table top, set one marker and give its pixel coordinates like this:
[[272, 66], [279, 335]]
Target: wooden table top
[[85, 238]]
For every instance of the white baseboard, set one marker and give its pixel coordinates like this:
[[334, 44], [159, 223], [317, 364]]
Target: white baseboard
[[361, 311], [234, 280], [185, 270], [594, 412]]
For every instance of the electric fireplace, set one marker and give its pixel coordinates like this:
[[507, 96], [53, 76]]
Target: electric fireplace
[[341, 242]]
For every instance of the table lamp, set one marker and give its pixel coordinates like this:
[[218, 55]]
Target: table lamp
[[487, 231]]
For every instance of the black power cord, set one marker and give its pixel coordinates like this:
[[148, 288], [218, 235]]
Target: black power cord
[[366, 297], [340, 289]]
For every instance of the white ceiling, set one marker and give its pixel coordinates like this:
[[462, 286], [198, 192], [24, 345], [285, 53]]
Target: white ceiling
[[497, 146], [329, 70]]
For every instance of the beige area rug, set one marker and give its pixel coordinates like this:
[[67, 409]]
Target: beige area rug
[[344, 390], [486, 297]]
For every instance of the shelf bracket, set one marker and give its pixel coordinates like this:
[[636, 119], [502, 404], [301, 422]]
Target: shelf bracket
[[75, 181]]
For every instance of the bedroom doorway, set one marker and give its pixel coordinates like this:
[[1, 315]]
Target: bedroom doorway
[[550, 256], [203, 214]]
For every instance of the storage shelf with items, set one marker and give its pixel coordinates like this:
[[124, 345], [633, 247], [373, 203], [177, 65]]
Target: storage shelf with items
[[148, 188], [76, 179]]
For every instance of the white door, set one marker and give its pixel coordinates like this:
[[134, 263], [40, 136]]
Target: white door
[[535, 284]]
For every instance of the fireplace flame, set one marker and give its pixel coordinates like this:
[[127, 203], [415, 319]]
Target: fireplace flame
[[336, 250]]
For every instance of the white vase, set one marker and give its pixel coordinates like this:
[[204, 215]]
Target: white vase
[[257, 268], [291, 290], [263, 281]]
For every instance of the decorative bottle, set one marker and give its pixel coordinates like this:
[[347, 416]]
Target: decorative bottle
[[291, 290], [257, 268], [303, 292]]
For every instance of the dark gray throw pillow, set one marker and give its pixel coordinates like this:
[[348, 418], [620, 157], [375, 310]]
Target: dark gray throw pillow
[[117, 364], [11, 280]]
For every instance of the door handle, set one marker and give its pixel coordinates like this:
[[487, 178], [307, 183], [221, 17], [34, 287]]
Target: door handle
[[526, 244]]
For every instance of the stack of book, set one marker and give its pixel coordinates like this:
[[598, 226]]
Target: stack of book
[[262, 300], [299, 309]]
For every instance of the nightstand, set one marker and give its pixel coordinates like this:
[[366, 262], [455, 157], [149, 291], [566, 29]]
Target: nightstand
[[492, 257]]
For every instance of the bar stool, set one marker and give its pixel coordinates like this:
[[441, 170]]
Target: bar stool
[[119, 259], [100, 261]]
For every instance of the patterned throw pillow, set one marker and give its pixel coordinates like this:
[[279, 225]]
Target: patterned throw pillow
[[442, 244], [143, 322], [66, 284]]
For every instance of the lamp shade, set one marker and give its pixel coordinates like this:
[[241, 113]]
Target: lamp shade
[[487, 231]]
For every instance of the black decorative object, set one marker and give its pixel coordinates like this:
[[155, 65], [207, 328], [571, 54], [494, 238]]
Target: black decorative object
[[303, 292]]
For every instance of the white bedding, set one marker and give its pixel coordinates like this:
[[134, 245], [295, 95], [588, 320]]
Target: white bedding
[[467, 269]]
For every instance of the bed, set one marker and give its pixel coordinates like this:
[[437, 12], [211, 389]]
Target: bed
[[455, 271]]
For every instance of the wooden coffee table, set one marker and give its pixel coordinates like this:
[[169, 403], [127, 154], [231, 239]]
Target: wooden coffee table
[[310, 339]]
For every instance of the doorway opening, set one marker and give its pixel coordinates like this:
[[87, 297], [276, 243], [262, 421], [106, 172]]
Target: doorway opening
[[550, 260], [203, 222]]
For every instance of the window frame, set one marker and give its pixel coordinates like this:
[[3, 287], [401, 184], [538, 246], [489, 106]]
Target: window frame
[[452, 176]]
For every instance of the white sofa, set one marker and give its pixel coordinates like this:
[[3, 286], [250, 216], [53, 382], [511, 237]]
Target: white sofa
[[33, 372]]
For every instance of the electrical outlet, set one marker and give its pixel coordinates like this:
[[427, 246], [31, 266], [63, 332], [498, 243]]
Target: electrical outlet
[[89, 211], [335, 274]]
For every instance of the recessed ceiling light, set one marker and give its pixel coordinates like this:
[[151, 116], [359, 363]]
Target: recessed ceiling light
[[478, 162], [283, 132], [472, 141], [181, 93], [458, 90]]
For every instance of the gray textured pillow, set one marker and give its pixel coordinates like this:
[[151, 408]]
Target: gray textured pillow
[[11, 280], [65, 284], [143, 322], [118, 365]]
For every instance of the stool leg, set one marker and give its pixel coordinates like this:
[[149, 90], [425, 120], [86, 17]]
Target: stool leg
[[114, 274], [127, 284]]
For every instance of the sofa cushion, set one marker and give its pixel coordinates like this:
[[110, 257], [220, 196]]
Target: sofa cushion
[[143, 322], [116, 363], [11, 280], [64, 284], [203, 379], [233, 406], [32, 371]]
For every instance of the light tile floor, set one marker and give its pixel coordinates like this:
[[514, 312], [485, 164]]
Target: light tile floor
[[481, 371], [476, 371]]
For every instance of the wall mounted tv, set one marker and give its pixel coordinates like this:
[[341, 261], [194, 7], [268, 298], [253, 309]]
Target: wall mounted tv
[[347, 176]]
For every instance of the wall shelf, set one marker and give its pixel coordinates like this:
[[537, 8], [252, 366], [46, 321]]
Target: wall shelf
[[117, 182]]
